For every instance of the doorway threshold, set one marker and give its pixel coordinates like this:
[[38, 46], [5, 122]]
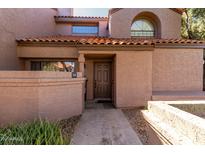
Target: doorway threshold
[[100, 104]]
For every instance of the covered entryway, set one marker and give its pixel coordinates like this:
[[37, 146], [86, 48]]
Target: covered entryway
[[100, 74]]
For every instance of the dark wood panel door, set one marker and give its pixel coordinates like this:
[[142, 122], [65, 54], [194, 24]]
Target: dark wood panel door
[[102, 80]]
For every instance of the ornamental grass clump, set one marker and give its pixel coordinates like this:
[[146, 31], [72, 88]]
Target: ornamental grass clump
[[34, 133]]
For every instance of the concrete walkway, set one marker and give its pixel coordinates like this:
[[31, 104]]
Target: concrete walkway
[[104, 126]]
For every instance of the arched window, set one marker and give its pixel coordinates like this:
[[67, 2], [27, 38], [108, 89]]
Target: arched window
[[142, 28]]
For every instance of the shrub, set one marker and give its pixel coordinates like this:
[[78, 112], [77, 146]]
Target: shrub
[[33, 133]]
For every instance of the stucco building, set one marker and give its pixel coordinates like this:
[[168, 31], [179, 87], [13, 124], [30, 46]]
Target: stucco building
[[126, 58]]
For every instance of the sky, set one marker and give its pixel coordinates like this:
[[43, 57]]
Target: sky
[[91, 12]]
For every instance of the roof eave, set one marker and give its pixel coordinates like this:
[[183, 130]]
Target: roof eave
[[71, 19], [187, 46], [81, 45]]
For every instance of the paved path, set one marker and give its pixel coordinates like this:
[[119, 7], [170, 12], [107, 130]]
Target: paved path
[[104, 126]]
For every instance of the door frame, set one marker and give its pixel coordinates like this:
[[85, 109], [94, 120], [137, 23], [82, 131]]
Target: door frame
[[111, 75]]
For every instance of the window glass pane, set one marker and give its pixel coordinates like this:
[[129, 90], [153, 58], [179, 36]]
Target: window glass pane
[[142, 25], [60, 66], [84, 29], [142, 28], [36, 66]]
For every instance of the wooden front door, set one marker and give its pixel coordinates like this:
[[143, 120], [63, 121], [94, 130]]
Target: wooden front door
[[102, 80]]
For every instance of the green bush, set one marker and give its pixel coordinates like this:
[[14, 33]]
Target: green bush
[[34, 133]]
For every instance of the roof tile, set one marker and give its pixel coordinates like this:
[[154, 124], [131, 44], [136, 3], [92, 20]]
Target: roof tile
[[92, 40], [85, 17]]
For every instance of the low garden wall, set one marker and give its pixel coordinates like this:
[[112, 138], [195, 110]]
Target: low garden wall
[[175, 120], [29, 95]]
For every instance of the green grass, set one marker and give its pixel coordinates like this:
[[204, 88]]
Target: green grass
[[33, 133]]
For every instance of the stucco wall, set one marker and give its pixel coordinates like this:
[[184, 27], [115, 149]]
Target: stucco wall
[[63, 29], [46, 52], [121, 21], [20, 23], [103, 31], [28, 95], [27, 53], [177, 69], [138, 73], [133, 78]]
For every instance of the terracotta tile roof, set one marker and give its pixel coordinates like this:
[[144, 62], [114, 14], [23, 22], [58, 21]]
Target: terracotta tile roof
[[79, 19], [178, 10], [85, 17], [106, 41]]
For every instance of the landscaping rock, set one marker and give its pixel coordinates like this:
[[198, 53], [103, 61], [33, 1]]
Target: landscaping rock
[[137, 121], [67, 127]]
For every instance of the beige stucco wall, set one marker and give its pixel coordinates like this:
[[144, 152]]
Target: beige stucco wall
[[120, 22], [46, 52], [177, 69], [27, 53], [64, 29], [138, 73], [20, 23], [103, 31], [29, 95], [133, 78]]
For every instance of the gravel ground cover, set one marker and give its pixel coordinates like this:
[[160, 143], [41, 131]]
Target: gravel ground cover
[[137, 122], [67, 127]]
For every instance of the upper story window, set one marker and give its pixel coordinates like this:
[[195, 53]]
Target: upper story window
[[93, 30], [143, 29]]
